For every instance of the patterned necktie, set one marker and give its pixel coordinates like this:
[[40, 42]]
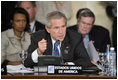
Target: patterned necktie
[[83, 40], [56, 51]]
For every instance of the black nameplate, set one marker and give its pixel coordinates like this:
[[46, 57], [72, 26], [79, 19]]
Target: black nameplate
[[67, 69]]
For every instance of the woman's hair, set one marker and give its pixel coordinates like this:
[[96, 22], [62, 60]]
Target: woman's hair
[[21, 11]]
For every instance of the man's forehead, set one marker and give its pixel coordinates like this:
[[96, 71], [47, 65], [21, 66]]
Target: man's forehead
[[87, 19], [61, 20], [52, 19]]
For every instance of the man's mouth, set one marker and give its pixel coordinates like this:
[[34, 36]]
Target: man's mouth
[[60, 36]]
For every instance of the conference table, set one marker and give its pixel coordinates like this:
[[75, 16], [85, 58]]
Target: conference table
[[34, 76], [42, 73]]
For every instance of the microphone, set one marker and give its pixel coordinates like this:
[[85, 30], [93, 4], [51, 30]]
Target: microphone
[[58, 41]]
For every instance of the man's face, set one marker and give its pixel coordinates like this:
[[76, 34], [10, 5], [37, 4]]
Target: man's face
[[57, 29], [85, 25], [29, 8]]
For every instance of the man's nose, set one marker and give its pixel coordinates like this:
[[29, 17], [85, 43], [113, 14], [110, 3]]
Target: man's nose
[[60, 30], [85, 25]]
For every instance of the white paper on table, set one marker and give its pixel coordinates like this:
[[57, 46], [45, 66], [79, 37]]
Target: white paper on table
[[18, 69], [93, 53]]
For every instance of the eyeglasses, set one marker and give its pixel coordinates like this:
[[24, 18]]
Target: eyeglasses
[[84, 23]]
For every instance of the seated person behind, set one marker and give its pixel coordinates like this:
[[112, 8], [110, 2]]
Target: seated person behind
[[90, 32], [31, 8], [15, 39], [71, 45]]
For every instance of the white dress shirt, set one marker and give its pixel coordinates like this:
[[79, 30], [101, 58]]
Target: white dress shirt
[[32, 26], [86, 42]]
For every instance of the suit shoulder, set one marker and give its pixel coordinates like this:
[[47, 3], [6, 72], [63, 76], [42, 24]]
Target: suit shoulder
[[74, 37], [39, 33], [4, 32], [73, 34], [7, 32], [39, 23], [74, 27], [100, 29]]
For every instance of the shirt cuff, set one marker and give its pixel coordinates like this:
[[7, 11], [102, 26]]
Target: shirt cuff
[[70, 63], [35, 56]]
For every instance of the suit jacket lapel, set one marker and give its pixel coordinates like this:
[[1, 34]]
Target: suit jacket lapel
[[65, 46], [49, 45], [36, 26], [92, 35]]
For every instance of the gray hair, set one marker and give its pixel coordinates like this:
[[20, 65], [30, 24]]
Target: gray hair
[[55, 15]]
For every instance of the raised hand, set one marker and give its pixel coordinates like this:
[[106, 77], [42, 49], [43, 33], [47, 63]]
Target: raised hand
[[42, 46]]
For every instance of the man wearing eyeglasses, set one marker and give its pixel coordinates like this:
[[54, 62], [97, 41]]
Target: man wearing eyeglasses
[[90, 32]]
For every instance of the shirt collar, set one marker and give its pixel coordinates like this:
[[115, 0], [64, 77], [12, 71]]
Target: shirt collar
[[86, 35], [53, 41], [32, 25]]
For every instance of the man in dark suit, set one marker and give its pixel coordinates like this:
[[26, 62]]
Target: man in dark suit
[[30, 7], [71, 46], [90, 32]]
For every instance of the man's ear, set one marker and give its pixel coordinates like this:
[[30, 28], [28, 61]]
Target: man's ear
[[78, 20], [47, 29]]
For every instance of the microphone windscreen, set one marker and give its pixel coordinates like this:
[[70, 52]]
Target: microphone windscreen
[[58, 41]]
